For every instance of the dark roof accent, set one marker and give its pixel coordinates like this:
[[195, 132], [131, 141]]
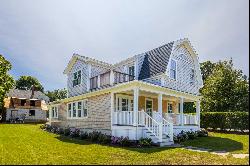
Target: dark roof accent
[[155, 61], [27, 94]]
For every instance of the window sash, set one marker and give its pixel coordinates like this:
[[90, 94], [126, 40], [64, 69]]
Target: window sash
[[77, 78], [78, 109]]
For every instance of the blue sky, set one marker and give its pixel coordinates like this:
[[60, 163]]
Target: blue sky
[[39, 37]]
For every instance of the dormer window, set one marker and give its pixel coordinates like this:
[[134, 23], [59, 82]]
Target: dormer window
[[192, 76], [77, 78], [173, 69]]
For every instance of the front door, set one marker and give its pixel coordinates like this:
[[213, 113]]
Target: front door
[[149, 106]]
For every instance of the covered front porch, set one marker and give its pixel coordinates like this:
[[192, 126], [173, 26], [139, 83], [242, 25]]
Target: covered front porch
[[141, 110], [169, 107]]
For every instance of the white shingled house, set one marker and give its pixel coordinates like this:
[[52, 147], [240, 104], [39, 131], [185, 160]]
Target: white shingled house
[[141, 96]]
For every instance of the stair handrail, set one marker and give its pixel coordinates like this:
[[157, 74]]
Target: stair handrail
[[167, 126], [151, 124]]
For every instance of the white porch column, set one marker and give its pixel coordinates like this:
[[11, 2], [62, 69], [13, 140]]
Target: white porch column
[[198, 105], [181, 110], [113, 119], [136, 100], [160, 104], [160, 113]]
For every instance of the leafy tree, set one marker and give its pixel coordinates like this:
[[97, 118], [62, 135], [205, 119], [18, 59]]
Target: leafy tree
[[57, 94], [207, 69], [225, 89], [6, 81], [26, 82]]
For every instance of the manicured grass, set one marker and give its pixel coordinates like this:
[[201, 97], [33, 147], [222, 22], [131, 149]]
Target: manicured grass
[[28, 144], [232, 143]]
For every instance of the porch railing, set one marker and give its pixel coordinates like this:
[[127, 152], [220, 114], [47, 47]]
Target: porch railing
[[188, 119], [120, 77], [123, 117], [109, 78]]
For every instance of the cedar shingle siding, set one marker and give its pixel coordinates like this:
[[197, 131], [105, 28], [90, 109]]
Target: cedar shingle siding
[[155, 61]]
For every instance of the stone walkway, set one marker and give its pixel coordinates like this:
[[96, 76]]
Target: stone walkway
[[221, 153]]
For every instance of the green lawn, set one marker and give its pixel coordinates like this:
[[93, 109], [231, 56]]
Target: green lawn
[[28, 144], [232, 143]]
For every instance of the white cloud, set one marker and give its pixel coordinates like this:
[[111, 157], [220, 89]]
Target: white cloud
[[39, 37]]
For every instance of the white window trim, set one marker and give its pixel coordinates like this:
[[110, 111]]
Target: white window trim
[[123, 97], [74, 79], [192, 81], [54, 117], [149, 99], [176, 76], [82, 110]]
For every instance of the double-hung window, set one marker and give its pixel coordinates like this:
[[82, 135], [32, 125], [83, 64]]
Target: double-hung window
[[192, 76], [77, 78], [78, 109], [173, 69], [54, 112]]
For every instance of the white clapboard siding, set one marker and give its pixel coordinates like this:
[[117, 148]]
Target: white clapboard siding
[[82, 88]]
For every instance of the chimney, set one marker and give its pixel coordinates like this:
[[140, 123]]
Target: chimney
[[32, 91]]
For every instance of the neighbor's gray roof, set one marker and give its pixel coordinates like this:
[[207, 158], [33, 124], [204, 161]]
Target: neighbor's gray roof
[[27, 94], [156, 61]]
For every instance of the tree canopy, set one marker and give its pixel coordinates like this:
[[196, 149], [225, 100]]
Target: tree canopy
[[26, 82], [225, 88], [6, 81], [56, 94]]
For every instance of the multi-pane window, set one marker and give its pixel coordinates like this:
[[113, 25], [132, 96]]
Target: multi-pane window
[[77, 78], [32, 112], [78, 109], [74, 110], [170, 108], [54, 112], [192, 76], [124, 103], [173, 67]]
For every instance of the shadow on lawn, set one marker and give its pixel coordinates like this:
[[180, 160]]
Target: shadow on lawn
[[215, 144], [148, 150]]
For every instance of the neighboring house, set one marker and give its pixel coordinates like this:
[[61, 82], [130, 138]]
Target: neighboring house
[[29, 103], [141, 96]]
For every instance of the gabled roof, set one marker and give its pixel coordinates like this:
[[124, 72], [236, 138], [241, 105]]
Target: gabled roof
[[156, 61], [27, 94], [76, 57]]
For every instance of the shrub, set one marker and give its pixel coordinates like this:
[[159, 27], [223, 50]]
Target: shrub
[[225, 120], [94, 136], [53, 129], [145, 142], [84, 135], [74, 132], [191, 134], [60, 130], [104, 139], [115, 140], [125, 141], [202, 133], [67, 132], [43, 127]]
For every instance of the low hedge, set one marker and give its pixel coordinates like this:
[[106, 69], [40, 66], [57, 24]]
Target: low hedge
[[225, 120]]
